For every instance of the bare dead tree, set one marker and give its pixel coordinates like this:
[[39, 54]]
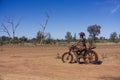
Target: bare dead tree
[[10, 21], [4, 29], [43, 27]]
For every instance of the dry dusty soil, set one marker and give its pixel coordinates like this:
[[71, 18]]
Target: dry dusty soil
[[40, 63]]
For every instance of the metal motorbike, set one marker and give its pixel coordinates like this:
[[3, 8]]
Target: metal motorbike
[[75, 55]]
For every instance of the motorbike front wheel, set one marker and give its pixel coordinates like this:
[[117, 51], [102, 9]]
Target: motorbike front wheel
[[67, 57]]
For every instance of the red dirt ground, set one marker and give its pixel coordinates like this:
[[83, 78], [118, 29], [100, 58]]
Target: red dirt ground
[[40, 63]]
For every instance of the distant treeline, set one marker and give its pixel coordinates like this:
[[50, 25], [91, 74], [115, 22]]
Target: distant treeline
[[4, 40], [43, 37]]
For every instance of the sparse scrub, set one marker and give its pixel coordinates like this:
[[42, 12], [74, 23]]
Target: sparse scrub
[[58, 56]]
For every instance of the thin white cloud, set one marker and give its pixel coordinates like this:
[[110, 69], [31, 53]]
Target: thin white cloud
[[115, 9], [113, 5], [116, 6]]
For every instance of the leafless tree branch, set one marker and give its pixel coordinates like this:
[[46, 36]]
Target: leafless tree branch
[[10, 20], [44, 27], [4, 29]]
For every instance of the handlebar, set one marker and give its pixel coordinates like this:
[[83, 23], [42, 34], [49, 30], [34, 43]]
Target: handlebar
[[92, 47]]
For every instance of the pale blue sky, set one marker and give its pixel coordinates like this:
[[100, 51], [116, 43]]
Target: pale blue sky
[[65, 15]]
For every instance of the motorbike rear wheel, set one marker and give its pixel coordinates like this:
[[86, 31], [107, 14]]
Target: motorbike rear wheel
[[90, 57], [67, 57]]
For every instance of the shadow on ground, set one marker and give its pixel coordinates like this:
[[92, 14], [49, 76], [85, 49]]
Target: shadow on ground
[[110, 78], [96, 63]]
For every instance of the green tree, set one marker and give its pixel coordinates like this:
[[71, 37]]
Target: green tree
[[113, 37], [74, 38], [23, 39], [39, 36], [94, 30], [68, 37], [119, 37], [34, 41], [4, 40], [48, 39]]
